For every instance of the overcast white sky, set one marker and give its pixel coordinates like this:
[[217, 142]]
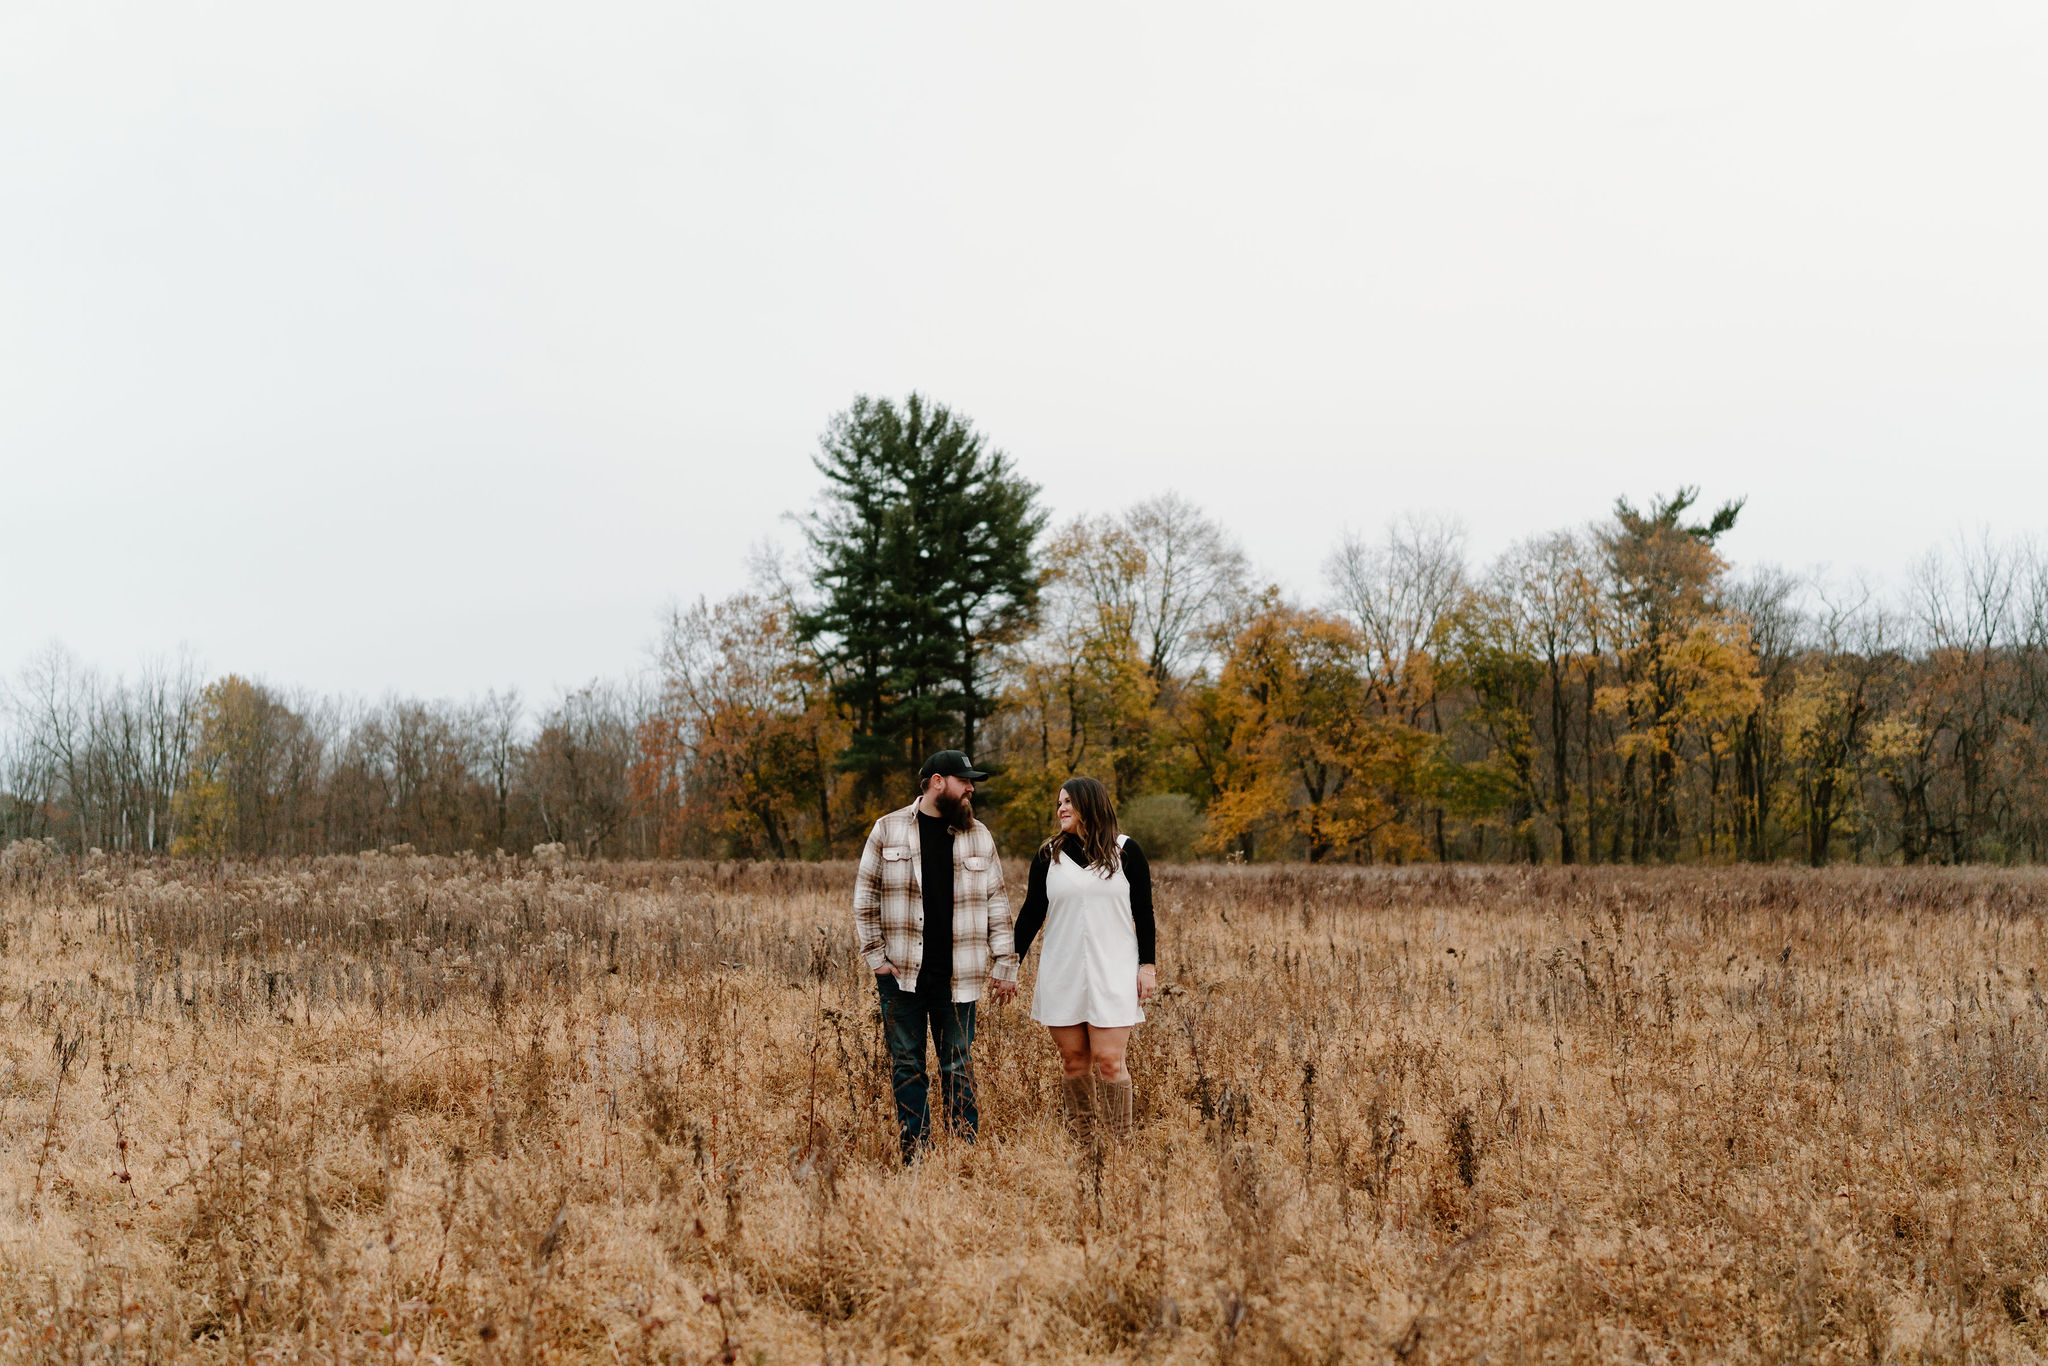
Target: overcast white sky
[[432, 347]]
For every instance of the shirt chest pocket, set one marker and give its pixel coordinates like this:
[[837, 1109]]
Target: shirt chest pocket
[[974, 875], [897, 862]]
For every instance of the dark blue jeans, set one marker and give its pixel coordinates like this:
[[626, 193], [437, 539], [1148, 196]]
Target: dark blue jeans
[[906, 1018]]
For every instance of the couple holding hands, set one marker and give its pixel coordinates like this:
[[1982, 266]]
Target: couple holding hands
[[934, 924]]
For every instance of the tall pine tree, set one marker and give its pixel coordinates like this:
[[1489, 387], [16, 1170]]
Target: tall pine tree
[[922, 565]]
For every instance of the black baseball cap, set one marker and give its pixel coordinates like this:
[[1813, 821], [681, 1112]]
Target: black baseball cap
[[953, 764]]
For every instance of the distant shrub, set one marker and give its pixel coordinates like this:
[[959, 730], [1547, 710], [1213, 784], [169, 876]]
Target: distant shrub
[[1165, 825]]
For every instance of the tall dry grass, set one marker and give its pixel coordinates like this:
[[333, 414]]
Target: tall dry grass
[[387, 1109]]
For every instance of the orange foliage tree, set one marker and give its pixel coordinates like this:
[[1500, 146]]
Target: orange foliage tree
[[737, 757]]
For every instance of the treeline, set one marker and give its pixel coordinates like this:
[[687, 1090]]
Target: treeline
[[234, 767], [1611, 693]]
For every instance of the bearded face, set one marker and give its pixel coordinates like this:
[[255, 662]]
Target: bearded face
[[957, 811]]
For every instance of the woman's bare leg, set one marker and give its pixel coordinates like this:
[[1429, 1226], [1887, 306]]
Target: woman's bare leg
[[1106, 1049], [1072, 1041], [1079, 1080]]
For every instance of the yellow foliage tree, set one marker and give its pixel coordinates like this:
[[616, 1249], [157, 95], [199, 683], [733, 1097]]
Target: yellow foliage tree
[[1700, 685], [1673, 637], [224, 807], [1305, 758], [1080, 699]]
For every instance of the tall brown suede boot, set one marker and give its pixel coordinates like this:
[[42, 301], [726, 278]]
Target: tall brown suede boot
[[1080, 1106], [1114, 1103]]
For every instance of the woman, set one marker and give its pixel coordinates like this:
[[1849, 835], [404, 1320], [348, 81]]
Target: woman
[[1092, 891]]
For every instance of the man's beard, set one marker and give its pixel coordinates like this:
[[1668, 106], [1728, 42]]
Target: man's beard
[[958, 811]]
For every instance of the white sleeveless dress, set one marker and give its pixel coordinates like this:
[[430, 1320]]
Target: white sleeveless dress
[[1088, 967]]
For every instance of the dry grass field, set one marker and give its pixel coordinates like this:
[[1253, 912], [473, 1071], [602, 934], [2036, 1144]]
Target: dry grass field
[[394, 1109]]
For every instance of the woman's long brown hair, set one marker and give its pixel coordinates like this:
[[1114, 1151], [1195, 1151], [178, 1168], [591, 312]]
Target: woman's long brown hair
[[1098, 824]]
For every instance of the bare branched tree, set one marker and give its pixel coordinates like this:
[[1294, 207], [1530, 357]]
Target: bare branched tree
[[1400, 589], [99, 759], [495, 722], [1552, 584], [578, 770], [1967, 607], [1156, 579], [1193, 578]]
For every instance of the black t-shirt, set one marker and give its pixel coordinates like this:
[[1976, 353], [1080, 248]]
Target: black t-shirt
[[935, 977]]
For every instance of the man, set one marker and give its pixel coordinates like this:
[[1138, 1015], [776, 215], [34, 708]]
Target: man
[[934, 924]]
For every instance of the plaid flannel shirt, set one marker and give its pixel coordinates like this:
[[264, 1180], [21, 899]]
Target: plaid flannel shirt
[[888, 906]]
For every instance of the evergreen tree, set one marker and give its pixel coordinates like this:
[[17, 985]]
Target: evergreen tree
[[922, 565]]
